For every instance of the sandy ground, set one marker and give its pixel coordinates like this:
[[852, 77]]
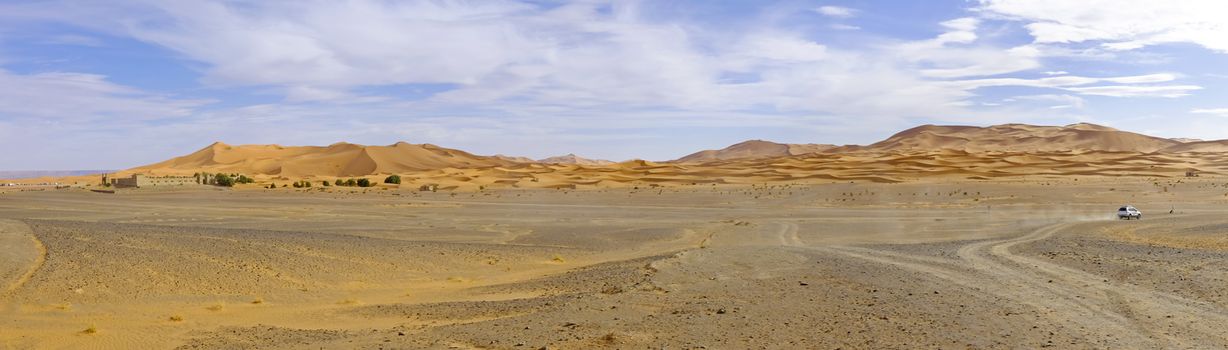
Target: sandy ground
[[1024, 263]]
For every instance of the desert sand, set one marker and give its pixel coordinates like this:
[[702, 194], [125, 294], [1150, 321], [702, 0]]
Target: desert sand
[[1021, 263], [938, 237]]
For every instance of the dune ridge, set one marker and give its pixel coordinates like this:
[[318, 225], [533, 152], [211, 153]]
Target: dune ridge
[[923, 152], [338, 159]]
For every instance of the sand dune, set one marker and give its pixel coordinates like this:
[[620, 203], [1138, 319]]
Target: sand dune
[[1219, 146], [924, 152], [1019, 138], [339, 159], [754, 149], [571, 158]]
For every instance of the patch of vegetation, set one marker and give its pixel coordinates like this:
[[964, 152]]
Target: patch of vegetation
[[393, 179], [176, 318], [224, 180], [90, 330]]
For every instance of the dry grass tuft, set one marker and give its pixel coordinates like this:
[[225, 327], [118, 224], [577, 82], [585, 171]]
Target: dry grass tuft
[[90, 330], [258, 301], [176, 318], [558, 259], [214, 307]]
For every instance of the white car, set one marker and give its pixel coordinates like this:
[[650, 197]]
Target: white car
[[1129, 212]]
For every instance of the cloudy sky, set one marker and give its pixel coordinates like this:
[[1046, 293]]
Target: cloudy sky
[[115, 84]]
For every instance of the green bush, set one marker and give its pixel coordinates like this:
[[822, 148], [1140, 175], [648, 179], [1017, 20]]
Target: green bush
[[243, 179], [351, 182], [339, 182], [365, 183], [225, 180], [393, 179], [325, 183]]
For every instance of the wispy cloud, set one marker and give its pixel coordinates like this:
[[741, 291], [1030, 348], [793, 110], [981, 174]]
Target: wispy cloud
[[836, 11], [502, 72], [1223, 112], [1119, 25]]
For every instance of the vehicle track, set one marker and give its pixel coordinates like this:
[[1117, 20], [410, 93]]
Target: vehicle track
[[1108, 314], [22, 254]]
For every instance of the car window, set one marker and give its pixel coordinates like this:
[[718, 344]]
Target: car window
[[1122, 209]]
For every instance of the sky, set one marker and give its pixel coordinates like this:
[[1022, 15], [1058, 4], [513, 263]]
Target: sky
[[121, 83]]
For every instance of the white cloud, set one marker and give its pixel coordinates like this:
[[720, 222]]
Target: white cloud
[[1170, 91], [842, 26], [1223, 112], [1055, 101], [836, 11], [1120, 24], [534, 70], [76, 97]]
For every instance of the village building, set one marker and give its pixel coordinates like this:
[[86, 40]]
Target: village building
[[142, 180]]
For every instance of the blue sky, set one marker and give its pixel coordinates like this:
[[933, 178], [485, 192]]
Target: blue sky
[[90, 84]]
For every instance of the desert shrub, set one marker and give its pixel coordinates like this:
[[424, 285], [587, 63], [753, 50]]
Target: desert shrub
[[351, 182], [339, 182], [325, 183], [225, 180], [393, 179], [243, 179], [364, 183]]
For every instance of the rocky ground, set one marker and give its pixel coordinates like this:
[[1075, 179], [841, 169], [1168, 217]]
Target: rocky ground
[[1026, 264]]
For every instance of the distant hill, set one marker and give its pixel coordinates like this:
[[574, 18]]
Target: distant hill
[[1020, 138], [1220, 146], [574, 159], [754, 149]]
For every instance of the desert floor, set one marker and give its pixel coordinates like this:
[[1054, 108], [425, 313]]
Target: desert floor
[[1024, 263]]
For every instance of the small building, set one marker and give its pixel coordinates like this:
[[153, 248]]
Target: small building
[[142, 180]]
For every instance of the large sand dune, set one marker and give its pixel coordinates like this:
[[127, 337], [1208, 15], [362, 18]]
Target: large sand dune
[[754, 149], [925, 152], [1020, 138], [339, 159]]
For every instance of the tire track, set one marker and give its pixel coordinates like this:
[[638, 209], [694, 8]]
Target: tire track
[[21, 247], [1202, 322], [1133, 316]]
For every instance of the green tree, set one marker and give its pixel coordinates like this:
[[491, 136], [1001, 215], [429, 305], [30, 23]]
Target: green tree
[[393, 179], [351, 182], [325, 183], [364, 183], [225, 180], [339, 182], [243, 179]]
